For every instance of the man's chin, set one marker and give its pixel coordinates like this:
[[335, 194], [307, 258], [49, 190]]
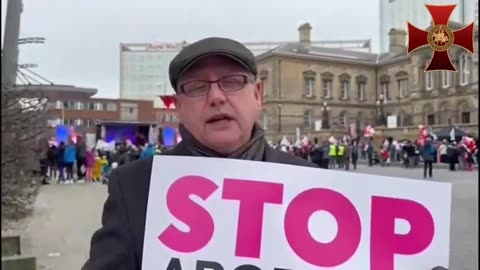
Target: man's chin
[[224, 142]]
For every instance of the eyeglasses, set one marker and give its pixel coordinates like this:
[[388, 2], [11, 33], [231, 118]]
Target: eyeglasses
[[230, 83]]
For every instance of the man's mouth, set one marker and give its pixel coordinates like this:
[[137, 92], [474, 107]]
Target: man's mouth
[[218, 118]]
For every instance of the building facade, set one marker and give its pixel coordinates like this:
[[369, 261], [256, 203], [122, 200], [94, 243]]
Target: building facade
[[76, 107], [312, 88], [396, 14], [166, 117], [144, 66], [144, 70]]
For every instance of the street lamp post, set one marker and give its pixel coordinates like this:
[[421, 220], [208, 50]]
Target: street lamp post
[[325, 110], [279, 118], [380, 103]]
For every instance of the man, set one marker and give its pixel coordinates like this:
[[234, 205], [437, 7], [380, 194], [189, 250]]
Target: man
[[218, 99], [347, 155], [355, 151], [325, 154], [340, 154], [442, 152], [369, 150], [428, 152], [316, 155], [332, 152], [452, 155], [81, 151]]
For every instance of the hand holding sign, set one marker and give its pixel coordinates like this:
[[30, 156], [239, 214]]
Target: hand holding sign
[[271, 228]]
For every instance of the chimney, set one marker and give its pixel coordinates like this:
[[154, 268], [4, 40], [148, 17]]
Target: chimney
[[304, 32], [398, 40]]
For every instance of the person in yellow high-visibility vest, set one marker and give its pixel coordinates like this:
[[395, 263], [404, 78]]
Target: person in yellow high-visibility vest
[[340, 155], [332, 152]]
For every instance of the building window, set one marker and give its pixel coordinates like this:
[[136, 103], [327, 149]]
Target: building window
[[361, 91], [445, 78], [307, 119], [111, 107], [98, 106], [91, 106], [343, 119], [58, 105], [78, 122], [465, 117], [309, 86], [51, 105], [402, 87], [386, 90], [263, 81], [69, 121], [327, 88], [344, 89], [68, 105], [104, 107], [263, 75], [430, 119], [429, 80], [79, 105], [464, 72]]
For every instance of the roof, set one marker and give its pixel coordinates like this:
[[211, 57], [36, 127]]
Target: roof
[[296, 50], [54, 87]]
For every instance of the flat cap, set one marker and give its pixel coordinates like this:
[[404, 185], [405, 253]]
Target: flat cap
[[210, 46]]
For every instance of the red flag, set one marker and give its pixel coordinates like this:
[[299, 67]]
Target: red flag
[[168, 101]]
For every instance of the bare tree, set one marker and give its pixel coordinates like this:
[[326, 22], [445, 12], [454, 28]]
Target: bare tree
[[23, 144]]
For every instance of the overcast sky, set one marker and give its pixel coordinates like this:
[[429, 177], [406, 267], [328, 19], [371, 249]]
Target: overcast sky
[[83, 36]]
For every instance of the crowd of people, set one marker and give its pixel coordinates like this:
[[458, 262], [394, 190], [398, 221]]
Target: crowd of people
[[74, 162], [345, 152]]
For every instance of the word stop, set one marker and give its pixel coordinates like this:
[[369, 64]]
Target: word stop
[[384, 242]]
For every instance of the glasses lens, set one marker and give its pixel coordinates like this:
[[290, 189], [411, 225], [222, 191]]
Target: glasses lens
[[196, 88], [232, 83]]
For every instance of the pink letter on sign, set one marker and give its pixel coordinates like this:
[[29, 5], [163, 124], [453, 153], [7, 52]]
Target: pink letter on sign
[[301, 241], [196, 217], [252, 195], [384, 243]]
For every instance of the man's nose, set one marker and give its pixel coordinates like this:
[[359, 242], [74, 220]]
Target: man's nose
[[216, 96]]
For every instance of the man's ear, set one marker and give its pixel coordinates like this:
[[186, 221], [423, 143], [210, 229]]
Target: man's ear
[[258, 92]]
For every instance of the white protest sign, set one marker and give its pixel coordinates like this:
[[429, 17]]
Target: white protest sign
[[221, 214]]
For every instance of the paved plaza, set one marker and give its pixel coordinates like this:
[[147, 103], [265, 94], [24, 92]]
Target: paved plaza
[[65, 217]]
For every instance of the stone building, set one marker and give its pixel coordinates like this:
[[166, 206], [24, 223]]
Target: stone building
[[335, 91]]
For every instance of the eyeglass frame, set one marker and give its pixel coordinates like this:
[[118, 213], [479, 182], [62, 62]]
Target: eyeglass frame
[[247, 79]]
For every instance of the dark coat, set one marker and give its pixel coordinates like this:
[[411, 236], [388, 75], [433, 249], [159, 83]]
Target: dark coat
[[118, 244], [428, 151], [452, 152]]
